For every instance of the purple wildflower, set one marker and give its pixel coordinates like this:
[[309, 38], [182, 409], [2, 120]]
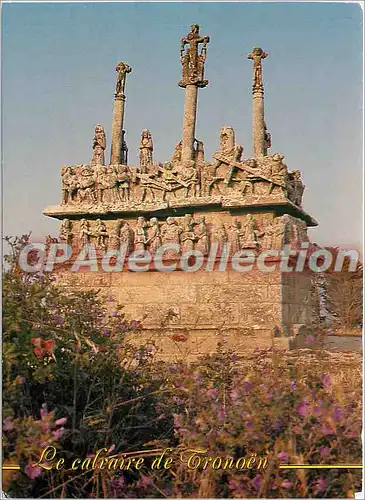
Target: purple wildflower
[[321, 485], [256, 482], [107, 332], [309, 339], [337, 414], [144, 482], [59, 319], [247, 386]]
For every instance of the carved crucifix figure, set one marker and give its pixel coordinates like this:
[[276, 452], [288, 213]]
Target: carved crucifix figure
[[122, 69], [257, 55], [193, 62]]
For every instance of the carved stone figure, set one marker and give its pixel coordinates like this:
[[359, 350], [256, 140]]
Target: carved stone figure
[[114, 237], [99, 145], [107, 185], [201, 233], [145, 151], [66, 231], [267, 140], [124, 181], [126, 236], [86, 184], [295, 188], [199, 152], [187, 236], [221, 236], [248, 237], [101, 234], [234, 235], [85, 232], [69, 184], [122, 69], [227, 140], [209, 179], [147, 183], [176, 157], [279, 172], [189, 175], [140, 239], [193, 62], [124, 150], [154, 235], [171, 231], [257, 55], [268, 235]]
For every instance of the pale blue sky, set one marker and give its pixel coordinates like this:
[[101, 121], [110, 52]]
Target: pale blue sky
[[58, 81]]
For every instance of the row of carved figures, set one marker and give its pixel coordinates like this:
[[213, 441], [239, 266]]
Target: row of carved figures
[[191, 233], [228, 176]]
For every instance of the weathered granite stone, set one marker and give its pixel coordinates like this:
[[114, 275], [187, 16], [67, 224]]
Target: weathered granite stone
[[251, 204]]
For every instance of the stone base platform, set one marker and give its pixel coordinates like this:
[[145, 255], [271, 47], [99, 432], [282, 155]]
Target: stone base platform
[[189, 313]]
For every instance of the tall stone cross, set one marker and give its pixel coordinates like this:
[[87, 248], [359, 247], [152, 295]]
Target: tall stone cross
[[192, 78], [260, 133], [117, 154]]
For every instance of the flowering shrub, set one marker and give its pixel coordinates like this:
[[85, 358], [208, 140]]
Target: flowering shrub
[[72, 380]]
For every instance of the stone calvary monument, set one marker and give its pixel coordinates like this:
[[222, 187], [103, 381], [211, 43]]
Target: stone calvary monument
[[228, 202]]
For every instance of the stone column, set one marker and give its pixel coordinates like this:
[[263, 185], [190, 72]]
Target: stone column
[[258, 125], [188, 132], [117, 148], [259, 128], [192, 78], [116, 155]]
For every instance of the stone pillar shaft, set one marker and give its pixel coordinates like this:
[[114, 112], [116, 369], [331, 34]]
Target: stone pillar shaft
[[117, 130], [258, 123], [188, 132]]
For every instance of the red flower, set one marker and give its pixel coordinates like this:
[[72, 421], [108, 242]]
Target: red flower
[[49, 346]]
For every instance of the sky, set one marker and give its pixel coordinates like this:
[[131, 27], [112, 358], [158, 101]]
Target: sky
[[58, 81]]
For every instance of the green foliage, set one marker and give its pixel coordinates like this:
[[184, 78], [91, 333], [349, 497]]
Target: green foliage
[[72, 379]]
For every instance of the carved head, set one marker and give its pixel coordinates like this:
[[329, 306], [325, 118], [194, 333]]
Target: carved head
[[297, 174], [257, 51], [236, 223], [194, 28], [99, 129], [170, 220], [141, 221], [146, 134]]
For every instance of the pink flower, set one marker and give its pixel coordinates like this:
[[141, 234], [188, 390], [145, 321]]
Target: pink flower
[[58, 433], [324, 451], [32, 472], [212, 393], [321, 485], [144, 482], [247, 386], [302, 409], [61, 421], [286, 484], [326, 380], [283, 457], [44, 411], [8, 424], [309, 339]]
